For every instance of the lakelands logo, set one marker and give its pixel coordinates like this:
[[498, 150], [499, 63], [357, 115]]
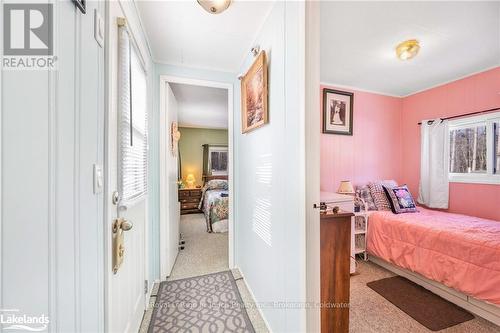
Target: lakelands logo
[[28, 41], [13, 319]]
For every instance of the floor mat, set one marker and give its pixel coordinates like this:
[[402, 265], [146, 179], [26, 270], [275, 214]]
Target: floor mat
[[427, 308], [207, 303]]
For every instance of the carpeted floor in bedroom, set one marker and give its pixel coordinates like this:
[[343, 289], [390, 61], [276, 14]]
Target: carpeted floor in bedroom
[[371, 313]]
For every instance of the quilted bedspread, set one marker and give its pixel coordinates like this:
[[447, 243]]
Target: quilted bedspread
[[461, 252], [216, 208]]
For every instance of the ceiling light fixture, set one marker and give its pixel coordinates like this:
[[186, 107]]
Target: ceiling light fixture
[[215, 6], [407, 49]]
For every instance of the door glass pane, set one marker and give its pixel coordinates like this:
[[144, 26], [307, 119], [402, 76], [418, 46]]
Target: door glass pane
[[468, 150]]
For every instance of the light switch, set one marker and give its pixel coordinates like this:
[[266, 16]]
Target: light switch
[[98, 28], [98, 179]]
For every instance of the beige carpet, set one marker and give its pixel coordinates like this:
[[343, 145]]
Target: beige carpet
[[371, 313], [205, 253]]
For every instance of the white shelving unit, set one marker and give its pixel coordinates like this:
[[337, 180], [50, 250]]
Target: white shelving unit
[[360, 221]]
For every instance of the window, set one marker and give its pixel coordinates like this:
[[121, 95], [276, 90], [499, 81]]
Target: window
[[218, 160], [132, 123], [474, 155], [468, 150], [138, 147], [496, 140]]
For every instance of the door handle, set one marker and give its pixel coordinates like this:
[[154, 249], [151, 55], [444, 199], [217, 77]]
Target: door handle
[[119, 226], [126, 225], [123, 224]]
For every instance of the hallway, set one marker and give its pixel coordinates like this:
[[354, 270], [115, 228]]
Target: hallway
[[205, 253]]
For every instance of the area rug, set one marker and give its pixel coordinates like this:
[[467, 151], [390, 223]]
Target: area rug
[[427, 308], [207, 303]]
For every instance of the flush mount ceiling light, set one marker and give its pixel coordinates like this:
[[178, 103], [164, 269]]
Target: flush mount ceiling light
[[407, 49], [215, 6]]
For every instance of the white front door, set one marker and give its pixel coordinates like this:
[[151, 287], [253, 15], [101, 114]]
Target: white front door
[[125, 288], [170, 212]]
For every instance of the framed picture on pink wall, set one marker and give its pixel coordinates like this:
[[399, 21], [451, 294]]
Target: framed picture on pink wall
[[337, 112]]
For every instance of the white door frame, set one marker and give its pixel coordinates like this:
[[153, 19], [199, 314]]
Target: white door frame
[[312, 159], [164, 130]]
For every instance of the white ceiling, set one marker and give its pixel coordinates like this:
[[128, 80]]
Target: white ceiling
[[358, 41], [183, 33], [201, 107]]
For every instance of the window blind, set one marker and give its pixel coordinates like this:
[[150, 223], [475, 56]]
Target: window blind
[[132, 123]]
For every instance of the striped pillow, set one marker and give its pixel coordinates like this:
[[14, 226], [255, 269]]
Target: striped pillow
[[378, 193]]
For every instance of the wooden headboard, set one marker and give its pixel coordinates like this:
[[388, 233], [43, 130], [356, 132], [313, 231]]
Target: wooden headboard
[[207, 178]]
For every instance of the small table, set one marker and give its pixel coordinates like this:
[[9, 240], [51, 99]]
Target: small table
[[189, 199]]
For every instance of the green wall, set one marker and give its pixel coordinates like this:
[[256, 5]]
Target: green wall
[[191, 150]]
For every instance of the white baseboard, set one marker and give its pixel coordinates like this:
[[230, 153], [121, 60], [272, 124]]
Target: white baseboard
[[488, 311], [148, 295], [254, 299]]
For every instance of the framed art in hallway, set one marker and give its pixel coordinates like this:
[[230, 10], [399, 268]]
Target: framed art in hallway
[[337, 112], [254, 111]]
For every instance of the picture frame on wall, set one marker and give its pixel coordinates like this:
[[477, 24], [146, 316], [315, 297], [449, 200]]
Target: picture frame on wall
[[337, 112], [254, 92]]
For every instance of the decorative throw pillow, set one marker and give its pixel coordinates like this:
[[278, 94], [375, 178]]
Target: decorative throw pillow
[[400, 199], [363, 192], [378, 193]]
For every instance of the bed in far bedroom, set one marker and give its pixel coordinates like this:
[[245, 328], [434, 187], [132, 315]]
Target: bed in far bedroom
[[215, 205]]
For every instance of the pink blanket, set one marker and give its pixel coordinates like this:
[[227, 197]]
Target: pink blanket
[[462, 252]]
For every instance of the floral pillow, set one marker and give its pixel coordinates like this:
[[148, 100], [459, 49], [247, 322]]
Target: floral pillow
[[378, 193], [400, 199], [363, 192], [216, 184]]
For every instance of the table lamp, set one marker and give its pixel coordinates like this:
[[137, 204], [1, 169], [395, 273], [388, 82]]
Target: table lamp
[[190, 180], [346, 187]]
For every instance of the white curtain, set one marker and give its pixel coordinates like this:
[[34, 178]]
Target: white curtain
[[434, 185]]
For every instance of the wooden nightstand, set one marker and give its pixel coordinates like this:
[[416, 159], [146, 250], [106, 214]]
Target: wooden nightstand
[[189, 199]]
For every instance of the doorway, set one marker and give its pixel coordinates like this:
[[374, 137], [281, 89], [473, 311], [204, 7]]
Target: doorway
[[169, 175]]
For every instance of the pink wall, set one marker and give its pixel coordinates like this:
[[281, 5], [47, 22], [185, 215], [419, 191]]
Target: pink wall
[[373, 152], [474, 93], [386, 140]]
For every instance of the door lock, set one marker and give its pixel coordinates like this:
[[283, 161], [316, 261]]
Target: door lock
[[115, 197]]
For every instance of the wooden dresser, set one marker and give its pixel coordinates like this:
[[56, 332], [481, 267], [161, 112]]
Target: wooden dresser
[[189, 199], [335, 252]]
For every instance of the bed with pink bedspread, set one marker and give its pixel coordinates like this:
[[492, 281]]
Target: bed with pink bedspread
[[461, 252]]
